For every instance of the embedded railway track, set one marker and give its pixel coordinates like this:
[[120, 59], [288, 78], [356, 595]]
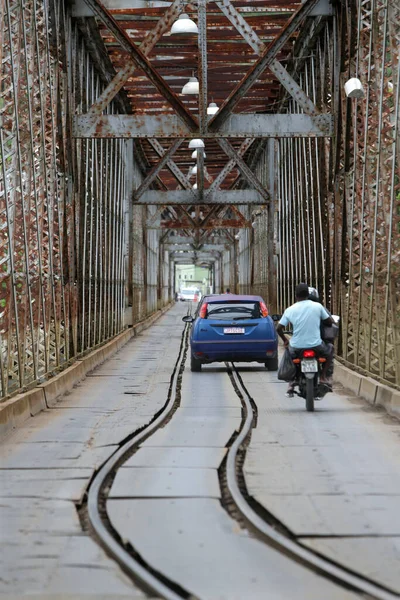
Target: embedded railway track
[[245, 509]]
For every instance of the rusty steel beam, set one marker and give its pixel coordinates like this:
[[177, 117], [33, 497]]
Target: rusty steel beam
[[147, 45], [156, 169], [169, 126], [259, 48], [244, 169], [177, 239], [172, 166], [80, 9], [262, 63], [229, 166], [220, 224], [200, 175], [185, 197], [202, 41], [142, 63]]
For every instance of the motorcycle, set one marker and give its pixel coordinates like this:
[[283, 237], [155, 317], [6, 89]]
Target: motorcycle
[[308, 372]]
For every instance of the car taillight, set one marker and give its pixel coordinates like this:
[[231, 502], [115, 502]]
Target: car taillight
[[308, 354], [264, 309], [203, 311]]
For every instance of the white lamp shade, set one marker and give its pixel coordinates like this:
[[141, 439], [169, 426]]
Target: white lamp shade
[[194, 170], [212, 108], [195, 186], [194, 154], [196, 144], [191, 87], [184, 26], [353, 88]]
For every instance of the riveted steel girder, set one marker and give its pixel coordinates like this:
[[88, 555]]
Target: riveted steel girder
[[229, 166], [175, 170], [222, 197], [262, 63], [190, 240], [260, 48], [142, 63], [80, 9], [170, 126], [157, 168], [147, 45], [244, 169]]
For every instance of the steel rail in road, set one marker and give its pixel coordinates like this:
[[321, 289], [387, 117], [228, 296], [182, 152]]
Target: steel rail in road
[[153, 580], [276, 539], [130, 565]]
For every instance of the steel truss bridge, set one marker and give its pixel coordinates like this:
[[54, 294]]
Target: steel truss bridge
[[297, 182]]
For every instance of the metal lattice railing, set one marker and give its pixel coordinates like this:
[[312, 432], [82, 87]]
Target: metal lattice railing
[[338, 200], [61, 201]]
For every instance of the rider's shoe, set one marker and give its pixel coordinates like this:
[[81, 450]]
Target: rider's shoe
[[290, 390]]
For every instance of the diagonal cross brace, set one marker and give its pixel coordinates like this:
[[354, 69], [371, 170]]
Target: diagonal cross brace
[[142, 63], [260, 48], [173, 167], [147, 45], [243, 168], [229, 166], [157, 168], [261, 64]]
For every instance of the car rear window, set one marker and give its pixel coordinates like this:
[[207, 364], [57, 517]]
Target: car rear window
[[233, 310]]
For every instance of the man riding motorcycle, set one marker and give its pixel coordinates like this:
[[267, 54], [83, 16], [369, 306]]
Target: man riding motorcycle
[[305, 317], [314, 296]]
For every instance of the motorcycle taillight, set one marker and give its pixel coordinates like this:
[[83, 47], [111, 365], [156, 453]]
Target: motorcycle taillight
[[308, 354]]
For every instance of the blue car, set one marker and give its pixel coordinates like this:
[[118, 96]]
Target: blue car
[[231, 327]]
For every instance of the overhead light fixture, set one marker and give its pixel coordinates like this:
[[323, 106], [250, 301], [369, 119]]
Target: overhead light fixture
[[194, 154], [191, 87], [196, 143], [212, 108], [353, 88], [184, 26]]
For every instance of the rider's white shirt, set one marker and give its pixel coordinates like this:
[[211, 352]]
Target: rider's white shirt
[[305, 317]]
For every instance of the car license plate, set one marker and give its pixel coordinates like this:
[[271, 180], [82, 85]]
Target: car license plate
[[309, 366], [234, 330]]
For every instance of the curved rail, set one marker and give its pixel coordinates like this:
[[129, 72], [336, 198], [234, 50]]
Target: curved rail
[[132, 566], [276, 539]]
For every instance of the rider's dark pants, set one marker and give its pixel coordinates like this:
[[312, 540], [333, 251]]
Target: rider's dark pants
[[325, 349]]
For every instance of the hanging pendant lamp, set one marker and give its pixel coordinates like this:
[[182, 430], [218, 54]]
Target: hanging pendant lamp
[[184, 26], [191, 87], [194, 154], [196, 143], [212, 108]]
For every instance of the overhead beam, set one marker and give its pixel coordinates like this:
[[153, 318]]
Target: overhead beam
[[175, 197], [261, 64], [190, 248], [156, 169], [147, 45], [173, 167], [80, 9], [251, 37], [244, 169], [180, 239], [142, 63], [229, 166], [212, 225], [170, 126], [202, 41]]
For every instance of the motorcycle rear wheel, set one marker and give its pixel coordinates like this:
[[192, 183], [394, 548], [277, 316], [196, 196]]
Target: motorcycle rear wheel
[[310, 395]]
